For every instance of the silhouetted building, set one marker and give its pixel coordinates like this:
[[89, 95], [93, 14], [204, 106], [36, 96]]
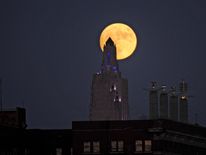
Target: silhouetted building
[[15, 141], [162, 137], [183, 102], [164, 103], [173, 106], [169, 104], [153, 102], [109, 91], [14, 118], [129, 137]]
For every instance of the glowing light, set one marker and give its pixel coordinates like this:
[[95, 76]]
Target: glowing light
[[115, 88], [124, 38], [183, 97]]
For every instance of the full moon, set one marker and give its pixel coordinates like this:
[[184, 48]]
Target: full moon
[[124, 38]]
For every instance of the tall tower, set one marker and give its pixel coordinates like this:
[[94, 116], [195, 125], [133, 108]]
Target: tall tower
[[164, 103], [183, 102], [173, 105], [109, 91], [153, 102]]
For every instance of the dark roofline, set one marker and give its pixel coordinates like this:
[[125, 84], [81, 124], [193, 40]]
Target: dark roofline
[[140, 124]]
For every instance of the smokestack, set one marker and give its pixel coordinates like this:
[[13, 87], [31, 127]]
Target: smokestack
[[183, 102], [164, 103], [173, 105], [153, 102]]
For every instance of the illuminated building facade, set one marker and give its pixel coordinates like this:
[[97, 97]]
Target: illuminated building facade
[[109, 91]]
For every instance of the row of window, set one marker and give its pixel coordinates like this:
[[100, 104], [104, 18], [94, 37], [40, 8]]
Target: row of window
[[91, 147], [139, 147], [118, 146]]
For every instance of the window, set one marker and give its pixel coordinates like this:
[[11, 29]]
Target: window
[[147, 145], [138, 146], [120, 146], [58, 151], [117, 146], [114, 146], [91, 147], [87, 147], [26, 151], [96, 147]]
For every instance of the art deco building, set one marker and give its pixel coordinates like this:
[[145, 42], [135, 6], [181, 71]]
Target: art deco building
[[109, 91]]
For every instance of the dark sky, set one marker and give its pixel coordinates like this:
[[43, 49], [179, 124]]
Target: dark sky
[[49, 51]]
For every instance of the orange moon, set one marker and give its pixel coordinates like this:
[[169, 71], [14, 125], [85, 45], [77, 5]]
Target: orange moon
[[124, 38]]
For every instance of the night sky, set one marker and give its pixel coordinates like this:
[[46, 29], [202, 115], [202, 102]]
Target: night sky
[[50, 49]]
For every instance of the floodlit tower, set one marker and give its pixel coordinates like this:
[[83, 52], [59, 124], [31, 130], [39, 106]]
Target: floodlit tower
[[183, 102], [173, 105], [109, 91], [164, 103], [153, 102]]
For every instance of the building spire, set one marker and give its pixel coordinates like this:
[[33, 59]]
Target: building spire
[[109, 42], [109, 60]]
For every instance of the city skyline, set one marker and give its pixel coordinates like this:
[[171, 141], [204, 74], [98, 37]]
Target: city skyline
[[49, 51]]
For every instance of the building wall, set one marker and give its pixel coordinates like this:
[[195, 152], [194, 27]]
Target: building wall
[[109, 97], [153, 104], [16, 141], [138, 137], [13, 118]]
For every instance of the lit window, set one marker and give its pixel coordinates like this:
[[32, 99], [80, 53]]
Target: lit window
[[115, 88], [114, 146], [26, 151], [120, 146], [116, 99], [96, 147], [120, 99], [87, 147], [147, 145], [138, 146], [183, 97], [117, 146], [58, 151]]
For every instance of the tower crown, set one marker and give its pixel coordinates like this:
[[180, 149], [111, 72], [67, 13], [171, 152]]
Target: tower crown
[[110, 42], [109, 59]]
